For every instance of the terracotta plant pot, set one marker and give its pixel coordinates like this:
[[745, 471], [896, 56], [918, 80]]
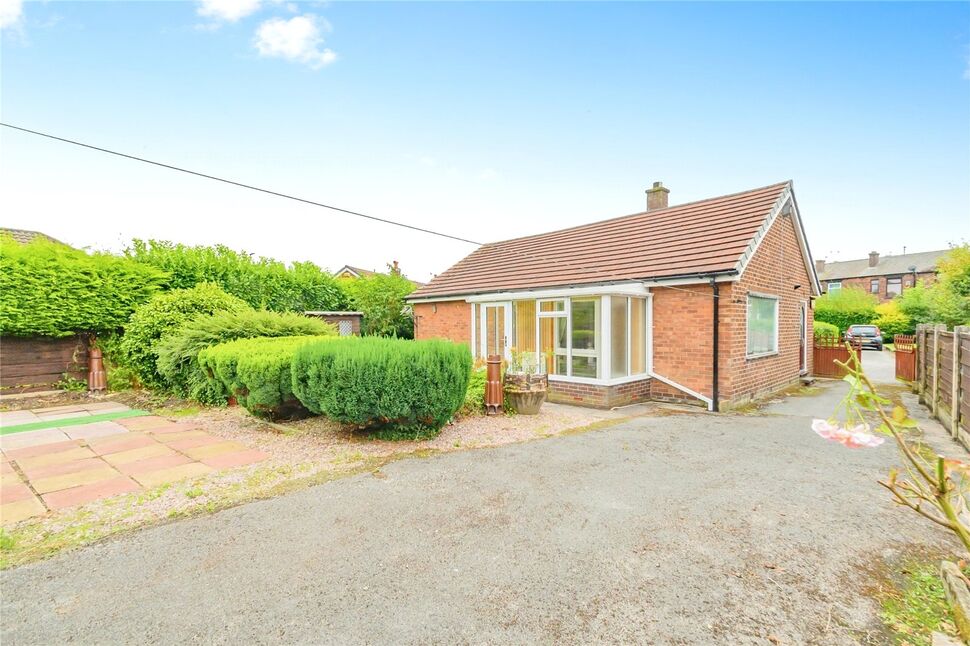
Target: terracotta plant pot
[[526, 393]]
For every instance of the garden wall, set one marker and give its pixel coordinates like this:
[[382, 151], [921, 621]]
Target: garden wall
[[29, 364]]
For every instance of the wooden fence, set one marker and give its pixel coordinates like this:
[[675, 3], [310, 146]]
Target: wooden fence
[[37, 363], [826, 351], [905, 356], [943, 376]]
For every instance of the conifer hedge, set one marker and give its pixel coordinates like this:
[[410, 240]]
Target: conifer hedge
[[390, 384], [256, 372], [50, 289]]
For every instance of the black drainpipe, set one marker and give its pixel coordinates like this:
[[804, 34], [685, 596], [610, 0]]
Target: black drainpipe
[[716, 326]]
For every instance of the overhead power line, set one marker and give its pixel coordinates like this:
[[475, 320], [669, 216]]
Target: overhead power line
[[241, 184]]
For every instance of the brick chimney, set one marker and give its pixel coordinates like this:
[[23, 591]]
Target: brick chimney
[[873, 258], [657, 197], [395, 269], [819, 266]]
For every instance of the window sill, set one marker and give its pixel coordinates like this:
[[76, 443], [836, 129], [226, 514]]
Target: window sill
[[762, 355]]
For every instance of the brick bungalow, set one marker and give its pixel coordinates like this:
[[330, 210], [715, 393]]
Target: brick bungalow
[[708, 302], [884, 277]]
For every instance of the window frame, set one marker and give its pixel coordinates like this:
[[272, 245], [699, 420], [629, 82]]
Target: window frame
[[874, 285], [748, 354], [832, 284], [899, 281]]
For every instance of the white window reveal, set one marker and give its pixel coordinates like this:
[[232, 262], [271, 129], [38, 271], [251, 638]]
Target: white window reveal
[[762, 325], [834, 286]]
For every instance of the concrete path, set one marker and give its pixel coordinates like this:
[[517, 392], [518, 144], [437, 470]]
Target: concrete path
[[684, 529]]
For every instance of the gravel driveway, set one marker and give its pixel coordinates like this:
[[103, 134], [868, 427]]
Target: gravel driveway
[[685, 529]]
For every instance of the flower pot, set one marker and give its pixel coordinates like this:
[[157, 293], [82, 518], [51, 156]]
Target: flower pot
[[526, 392]]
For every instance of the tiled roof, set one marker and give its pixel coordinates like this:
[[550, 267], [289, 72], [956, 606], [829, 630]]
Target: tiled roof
[[361, 273], [699, 237], [24, 236], [924, 261]]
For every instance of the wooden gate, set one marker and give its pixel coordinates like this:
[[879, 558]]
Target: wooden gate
[[826, 351], [905, 356]]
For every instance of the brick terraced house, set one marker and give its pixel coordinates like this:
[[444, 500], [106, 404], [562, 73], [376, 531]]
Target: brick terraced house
[[884, 277], [708, 302]]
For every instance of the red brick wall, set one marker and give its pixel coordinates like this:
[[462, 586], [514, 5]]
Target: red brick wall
[[599, 396], [682, 341], [927, 278], [776, 268], [444, 320]]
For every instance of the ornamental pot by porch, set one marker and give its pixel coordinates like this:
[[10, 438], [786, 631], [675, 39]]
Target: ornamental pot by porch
[[526, 392]]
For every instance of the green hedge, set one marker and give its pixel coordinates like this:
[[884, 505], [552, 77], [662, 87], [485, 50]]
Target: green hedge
[[256, 372], [474, 402], [821, 328], [845, 307], [407, 387], [165, 313], [50, 289], [178, 351], [264, 283]]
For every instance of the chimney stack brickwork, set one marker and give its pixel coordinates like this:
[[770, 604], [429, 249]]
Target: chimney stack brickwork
[[657, 197], [873, 258], [819, 266]]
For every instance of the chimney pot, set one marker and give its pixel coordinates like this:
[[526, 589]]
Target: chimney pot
[[873, 258], [657, 197], [819, 266]]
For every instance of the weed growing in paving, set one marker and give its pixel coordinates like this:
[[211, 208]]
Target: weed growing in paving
[[917, 607]]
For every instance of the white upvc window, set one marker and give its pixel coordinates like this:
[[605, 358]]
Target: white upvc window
[[762, 325], [833, 286]]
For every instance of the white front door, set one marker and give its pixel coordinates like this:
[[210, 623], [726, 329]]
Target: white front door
[[496, 327]]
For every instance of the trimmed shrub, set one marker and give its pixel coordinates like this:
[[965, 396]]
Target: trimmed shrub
[[845, 307], [264, 283], [50, 289], [891, 321], [178, 351], [821, 328], [165, 313], [381, 299], [256, 372], [404, 388]]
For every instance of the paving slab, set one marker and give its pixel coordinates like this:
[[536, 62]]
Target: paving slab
[[168, 438], [105, 407], [154, 464], [40, 449], [50, 470], [63, 408], [70, 455], [172, 474], [91, 492], [32, 438], [179, 427], [119, 443], [49, 417], [10, 478], [14, 492], [133, 455], [145, 422], [13, 512], [96, 429], [15, 418], [192, 442], [74, 479]]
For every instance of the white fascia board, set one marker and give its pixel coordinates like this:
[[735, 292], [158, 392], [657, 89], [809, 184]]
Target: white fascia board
[[435, 299], [631, 288]]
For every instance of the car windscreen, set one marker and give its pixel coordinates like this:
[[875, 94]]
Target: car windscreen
[[864, 330]]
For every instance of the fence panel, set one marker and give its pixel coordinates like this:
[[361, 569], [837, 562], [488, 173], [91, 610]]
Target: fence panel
[[943, 376], [826, 351]]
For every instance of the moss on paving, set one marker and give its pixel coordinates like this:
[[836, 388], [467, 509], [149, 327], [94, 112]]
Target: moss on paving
[[913, 604]]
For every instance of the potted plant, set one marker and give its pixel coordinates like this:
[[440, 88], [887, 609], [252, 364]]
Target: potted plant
[[526, 382]]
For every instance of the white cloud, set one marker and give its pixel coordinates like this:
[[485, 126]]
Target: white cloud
[[228, 10], [11, 11], [297, 39]]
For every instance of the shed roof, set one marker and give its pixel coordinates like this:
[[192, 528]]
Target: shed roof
[[704, 237], [24, 235]]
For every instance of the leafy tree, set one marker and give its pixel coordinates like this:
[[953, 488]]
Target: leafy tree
[[891, 321], [381, 298], [945, 301]]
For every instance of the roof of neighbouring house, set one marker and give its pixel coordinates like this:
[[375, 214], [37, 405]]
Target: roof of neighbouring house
[[710, 236], [361, 273], [924, 261], [24, 236]]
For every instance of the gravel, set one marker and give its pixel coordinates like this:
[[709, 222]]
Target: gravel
[[681, 529]]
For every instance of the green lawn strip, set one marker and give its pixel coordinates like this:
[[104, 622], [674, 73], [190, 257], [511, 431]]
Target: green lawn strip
[[71, 421]]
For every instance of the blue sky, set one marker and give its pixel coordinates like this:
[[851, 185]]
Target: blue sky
[[485, 120]]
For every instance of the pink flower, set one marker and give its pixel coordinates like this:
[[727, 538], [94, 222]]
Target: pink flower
[[855, 437]]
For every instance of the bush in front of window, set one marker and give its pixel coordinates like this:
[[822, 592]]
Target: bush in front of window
[[400, 389], [822, 329]]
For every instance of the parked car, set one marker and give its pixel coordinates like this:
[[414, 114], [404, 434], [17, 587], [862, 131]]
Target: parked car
[[868, 335]]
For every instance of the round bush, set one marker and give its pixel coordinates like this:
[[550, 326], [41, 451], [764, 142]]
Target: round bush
[[821, 328], [178, 350], [256, 372], [163, 314], [406, 387]]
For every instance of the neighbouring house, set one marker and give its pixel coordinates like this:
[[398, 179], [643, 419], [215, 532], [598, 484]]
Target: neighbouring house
[[708, 302], [348, 271], [25, 236], [885, 277]]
